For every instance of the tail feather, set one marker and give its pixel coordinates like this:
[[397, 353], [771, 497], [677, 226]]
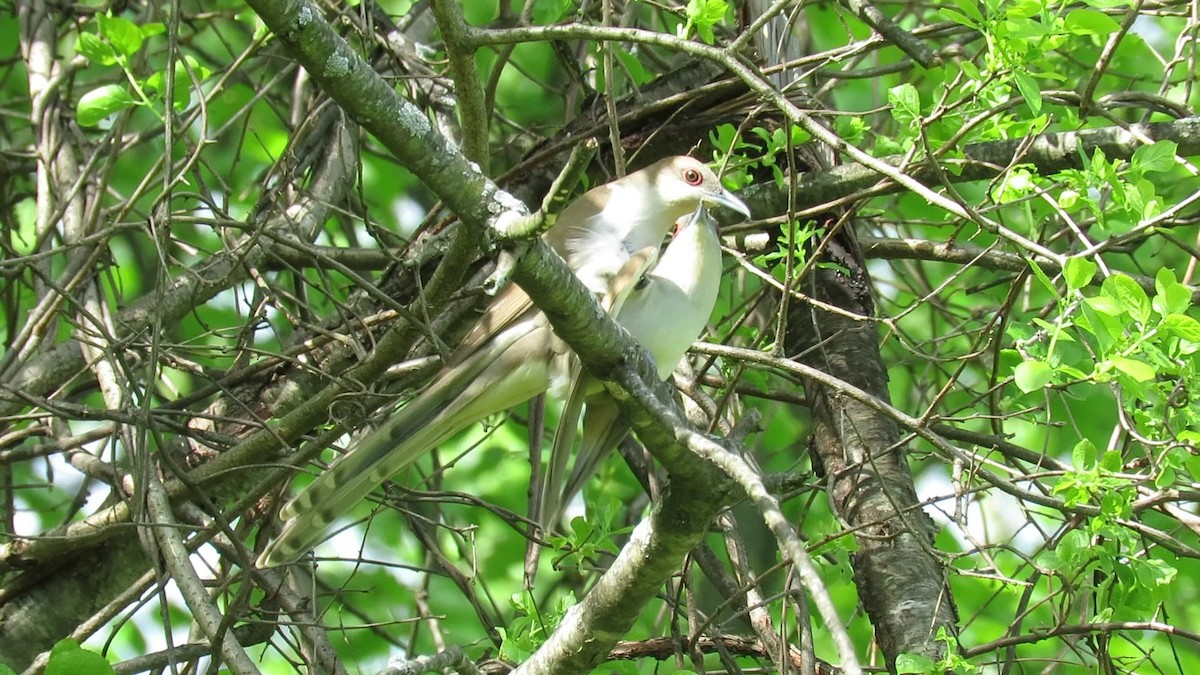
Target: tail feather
[[550, 504], [493, 379], [603, 428], [376, 458]]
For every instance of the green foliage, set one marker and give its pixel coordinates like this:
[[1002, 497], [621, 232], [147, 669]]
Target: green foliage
[[702, 16], [1145, 346], [906, 104], [1090, 369], [530, 626], [745, 156], [101, 102], [116, 42], [591, 537], [68, 658], [952, 662], [1118, 193], [915, 663]]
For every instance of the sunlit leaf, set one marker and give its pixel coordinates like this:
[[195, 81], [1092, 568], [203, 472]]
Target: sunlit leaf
[[1129, 294], [101, 102], [1029, 91], [1032, 375], [123, 34], [1182, 326], [915, 663], [96, 50], [1138, 370], [1159, 156], [68, 658], [1083, 455], [905, 99], [1079, 272], [1090, 22]]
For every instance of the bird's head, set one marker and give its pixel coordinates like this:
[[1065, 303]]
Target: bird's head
[[685, 183]]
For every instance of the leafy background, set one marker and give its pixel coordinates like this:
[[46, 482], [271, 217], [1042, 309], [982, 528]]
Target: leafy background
[[1073, 548]]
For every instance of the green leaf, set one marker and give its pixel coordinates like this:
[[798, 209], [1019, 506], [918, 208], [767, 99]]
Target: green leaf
[[723, 137], [1090, 22], [68, 658], [1099, 164], [1114, 504], [971, 9], [1041, 276], [1073, 544], [1152, 572], [633, 67], [703, 15], [101, 102], [1138, 370], [889, 146], [1068, 199], [1051, 560], [1083, 455], [121, 33], [151, 29], [1111, 462], [1032, 375], [96, 50], [1079, 272], [1023, 9], [1101, 317], [1126, 291], [905, 99], [1159, 156], [956, 17], [1182, 326], [778, 142], [522, 602], [511, 647], [1171, 297], [157, 82], [1015, 185], [1192, 464], [915, 663], [1106, 305], [706, 12], [1029, 91]]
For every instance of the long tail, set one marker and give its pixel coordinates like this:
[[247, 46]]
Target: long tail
[[461, 395], [552, 499], [603, 428]]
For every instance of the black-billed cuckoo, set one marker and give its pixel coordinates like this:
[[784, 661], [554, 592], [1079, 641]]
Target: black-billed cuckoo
[[512, 354]]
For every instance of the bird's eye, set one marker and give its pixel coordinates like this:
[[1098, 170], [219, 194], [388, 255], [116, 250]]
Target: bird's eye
[[693, 177]]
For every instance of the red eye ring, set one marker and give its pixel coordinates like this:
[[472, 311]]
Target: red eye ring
[[692, 176]]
